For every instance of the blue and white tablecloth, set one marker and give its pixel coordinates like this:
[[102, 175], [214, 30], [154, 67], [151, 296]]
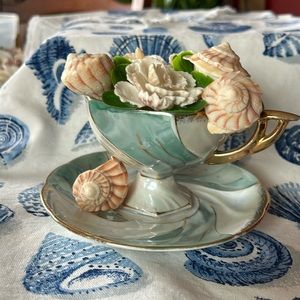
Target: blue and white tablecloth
[[44, 125]]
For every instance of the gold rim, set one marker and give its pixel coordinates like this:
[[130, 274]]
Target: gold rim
[[257, 219]]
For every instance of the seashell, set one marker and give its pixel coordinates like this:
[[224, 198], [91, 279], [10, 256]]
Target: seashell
[[161, 45], [5, 213], [256, 257], [138, 54], [216, 61], [14, 137], [281, 44], [286, 201], [88, 74], [234, 103], [288, 145], [102, 188]]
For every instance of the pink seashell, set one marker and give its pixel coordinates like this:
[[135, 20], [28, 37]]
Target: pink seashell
[[234, 103], [216, 61], [88, 74], [103, 188]]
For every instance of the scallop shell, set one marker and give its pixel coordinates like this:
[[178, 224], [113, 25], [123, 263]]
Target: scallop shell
[[103, 188], [234, 103], [160, 45], [216, 61], [88, 74]]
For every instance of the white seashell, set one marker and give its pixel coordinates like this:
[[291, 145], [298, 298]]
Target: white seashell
[[156, 85], [103, 188], [138, 54], [234, 103], [88, 74], [217, 61]]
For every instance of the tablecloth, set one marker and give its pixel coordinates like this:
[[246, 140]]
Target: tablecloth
[[44, 125]]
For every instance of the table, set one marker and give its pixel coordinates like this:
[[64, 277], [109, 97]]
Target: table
[[43, 125]]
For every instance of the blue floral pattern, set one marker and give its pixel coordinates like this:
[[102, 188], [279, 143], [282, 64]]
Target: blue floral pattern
[[235, 141], [288, 146], [85, 136], [219, 27], [66, 266], [30, 200], [252, 259], [47, 64], [281, 44], [162, 45], [286, 201], [5, 213], [14, 136]]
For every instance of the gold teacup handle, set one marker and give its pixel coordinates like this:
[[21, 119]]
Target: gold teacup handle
[[259, 140]]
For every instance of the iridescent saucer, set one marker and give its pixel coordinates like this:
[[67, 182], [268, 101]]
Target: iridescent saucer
[[232, 201]]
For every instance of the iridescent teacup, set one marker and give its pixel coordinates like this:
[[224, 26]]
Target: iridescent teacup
[[160, 144]]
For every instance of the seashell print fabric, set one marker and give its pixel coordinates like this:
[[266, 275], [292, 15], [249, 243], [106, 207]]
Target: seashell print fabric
[[44, 125], [64, 266], [255, 258]]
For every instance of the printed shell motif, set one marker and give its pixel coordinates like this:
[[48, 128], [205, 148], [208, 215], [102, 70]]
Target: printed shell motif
[[217, 61], [102, 188], [88, 74], [234, 103]]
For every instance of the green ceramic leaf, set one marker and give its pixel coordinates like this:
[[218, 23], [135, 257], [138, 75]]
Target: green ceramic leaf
[[118, 73], [201, 79], [180, 64], [121, 60], [110, 98], [189, 109]]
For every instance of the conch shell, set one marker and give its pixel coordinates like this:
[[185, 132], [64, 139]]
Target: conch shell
[[217, 61], [103, 188], [88, 74], [234, 103]]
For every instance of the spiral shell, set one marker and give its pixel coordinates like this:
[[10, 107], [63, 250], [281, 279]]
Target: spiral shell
[[216, 61], [234, 103], [88, 74], [103, 188]]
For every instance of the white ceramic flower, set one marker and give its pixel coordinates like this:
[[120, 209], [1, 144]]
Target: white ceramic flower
[[154, 84]]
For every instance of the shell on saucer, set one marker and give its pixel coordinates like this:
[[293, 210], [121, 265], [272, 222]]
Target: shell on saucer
[[234, 103], [216, 61], [88, 74], [103, 188]]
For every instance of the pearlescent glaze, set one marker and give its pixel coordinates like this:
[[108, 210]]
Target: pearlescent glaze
[[231, 202]]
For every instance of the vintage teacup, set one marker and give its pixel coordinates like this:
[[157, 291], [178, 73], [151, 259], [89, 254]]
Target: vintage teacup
[[159, 144]]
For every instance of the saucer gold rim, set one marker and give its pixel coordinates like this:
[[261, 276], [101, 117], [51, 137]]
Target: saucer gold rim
[[256, 220]]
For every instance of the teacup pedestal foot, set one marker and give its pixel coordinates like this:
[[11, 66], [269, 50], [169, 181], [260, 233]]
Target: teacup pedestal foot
[[159, 200]]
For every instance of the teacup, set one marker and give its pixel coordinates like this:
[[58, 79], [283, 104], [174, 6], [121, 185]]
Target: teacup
[[159, 144]]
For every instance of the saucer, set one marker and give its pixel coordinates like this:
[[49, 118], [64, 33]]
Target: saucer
[[232, 201]]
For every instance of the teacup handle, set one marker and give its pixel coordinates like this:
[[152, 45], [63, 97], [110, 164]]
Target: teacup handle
[[259, 140]]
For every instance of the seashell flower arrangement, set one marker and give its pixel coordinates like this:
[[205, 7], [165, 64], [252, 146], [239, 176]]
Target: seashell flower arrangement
[[103, 188], [212, 80]]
